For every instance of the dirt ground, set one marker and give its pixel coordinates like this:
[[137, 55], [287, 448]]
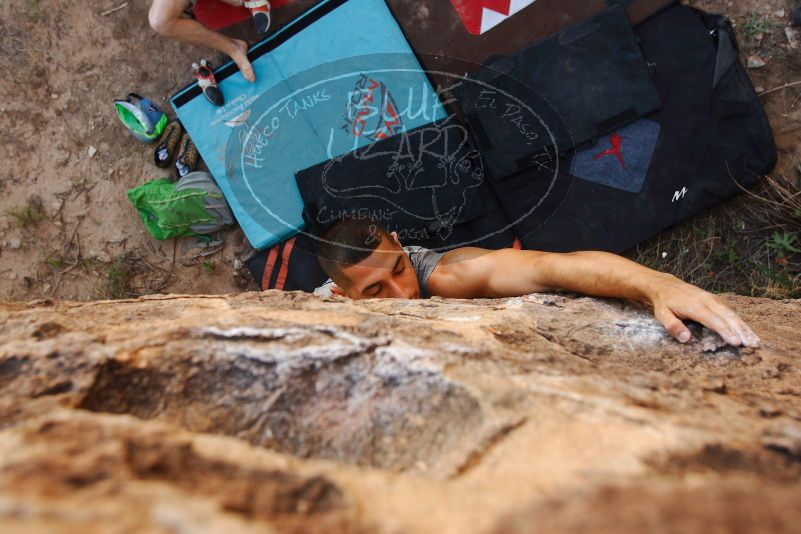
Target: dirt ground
[[69, 63], [67, 229]]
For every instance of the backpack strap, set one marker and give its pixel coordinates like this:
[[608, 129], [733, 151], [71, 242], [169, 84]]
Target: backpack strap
[[727, 53]]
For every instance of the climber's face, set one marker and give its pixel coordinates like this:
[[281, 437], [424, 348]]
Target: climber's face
[[387, 273]]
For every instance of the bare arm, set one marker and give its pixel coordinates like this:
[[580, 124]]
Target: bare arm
[[473, 273], [166, 18]]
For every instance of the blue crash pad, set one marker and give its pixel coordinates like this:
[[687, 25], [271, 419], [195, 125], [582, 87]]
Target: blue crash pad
[[339, 77]]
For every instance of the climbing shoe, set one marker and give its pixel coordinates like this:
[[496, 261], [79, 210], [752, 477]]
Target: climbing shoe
[[207, 82], [187, 158], [260, 10], [168, 145]]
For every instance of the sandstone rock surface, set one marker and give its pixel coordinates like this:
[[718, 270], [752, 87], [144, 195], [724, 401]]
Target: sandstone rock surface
[[280, 412]]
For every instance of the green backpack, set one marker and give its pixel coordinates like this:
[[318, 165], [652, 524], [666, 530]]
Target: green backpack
[[193, 206]]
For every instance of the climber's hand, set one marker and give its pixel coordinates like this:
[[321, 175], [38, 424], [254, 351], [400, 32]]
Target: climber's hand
[[674, 301]]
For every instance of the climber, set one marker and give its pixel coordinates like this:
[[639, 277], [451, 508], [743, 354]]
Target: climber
[[365, 261], [168, 18]]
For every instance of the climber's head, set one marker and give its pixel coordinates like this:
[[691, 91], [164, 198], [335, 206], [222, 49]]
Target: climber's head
[[366, 261]]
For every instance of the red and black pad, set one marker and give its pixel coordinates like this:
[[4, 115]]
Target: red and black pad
[[446, 34], [293, 266], [559, 93], [290, 266], [710, 137]]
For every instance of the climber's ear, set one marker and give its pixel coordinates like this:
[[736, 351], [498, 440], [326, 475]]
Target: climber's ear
[[395, 239], [336, 290]]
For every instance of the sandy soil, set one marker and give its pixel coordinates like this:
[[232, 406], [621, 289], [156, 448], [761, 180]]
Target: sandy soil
[[68, 64], [64, 63]]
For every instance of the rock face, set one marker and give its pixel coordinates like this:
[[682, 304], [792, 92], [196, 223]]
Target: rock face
[[282, 412]]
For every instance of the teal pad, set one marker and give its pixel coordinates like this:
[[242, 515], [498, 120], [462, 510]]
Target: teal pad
[[339, 77]]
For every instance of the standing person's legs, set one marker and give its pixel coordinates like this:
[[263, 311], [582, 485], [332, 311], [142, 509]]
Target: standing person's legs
[[166, 18]]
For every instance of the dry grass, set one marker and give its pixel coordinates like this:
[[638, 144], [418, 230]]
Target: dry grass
[[131, 275], [29, 215], [748, 246]]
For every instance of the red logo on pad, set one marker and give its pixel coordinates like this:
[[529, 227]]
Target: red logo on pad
[[617, 145], [480, 16]]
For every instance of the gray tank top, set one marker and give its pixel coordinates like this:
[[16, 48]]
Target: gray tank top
[[423, 260]]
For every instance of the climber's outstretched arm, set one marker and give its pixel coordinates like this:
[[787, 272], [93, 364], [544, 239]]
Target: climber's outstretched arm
[[475, 273]]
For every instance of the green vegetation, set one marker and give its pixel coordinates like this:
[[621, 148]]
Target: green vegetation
[[56, 262], [784, 243], [119, 275], [208, 266], [755, 25]]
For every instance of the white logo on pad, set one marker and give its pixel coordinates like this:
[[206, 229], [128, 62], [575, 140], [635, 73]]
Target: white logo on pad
[[678, 195]]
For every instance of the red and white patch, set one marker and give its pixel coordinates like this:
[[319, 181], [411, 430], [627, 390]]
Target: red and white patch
[[480, 16]]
